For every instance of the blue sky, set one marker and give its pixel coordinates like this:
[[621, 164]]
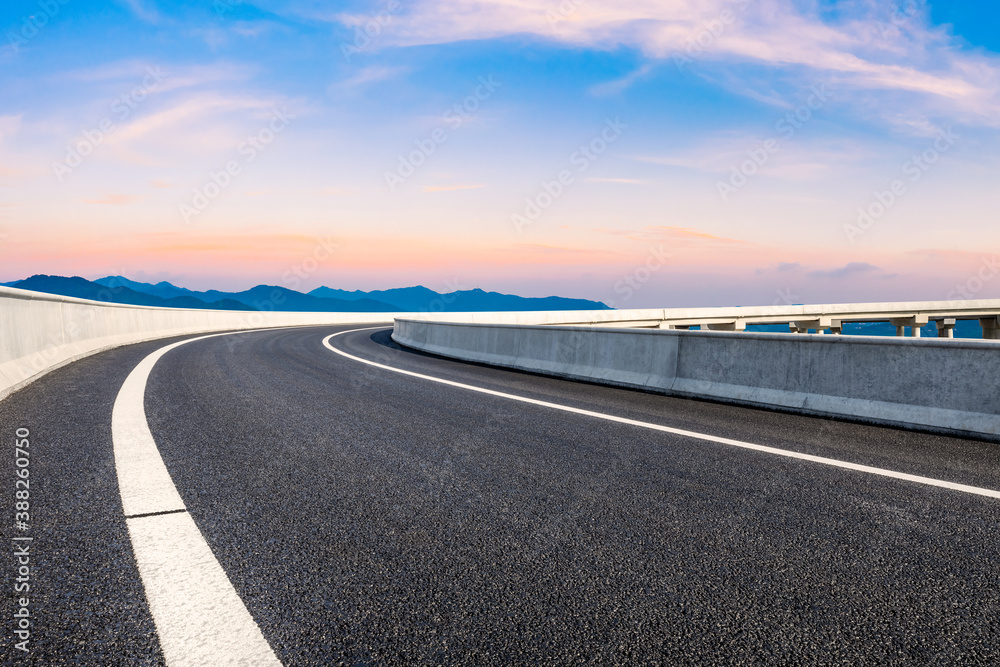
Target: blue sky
[[359, 91]]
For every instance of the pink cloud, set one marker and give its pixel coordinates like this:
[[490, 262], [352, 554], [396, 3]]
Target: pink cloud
[[114, 200]]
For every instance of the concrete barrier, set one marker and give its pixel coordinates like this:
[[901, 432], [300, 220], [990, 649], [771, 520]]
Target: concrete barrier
[[41, 332], [933, 384], [937, 384]]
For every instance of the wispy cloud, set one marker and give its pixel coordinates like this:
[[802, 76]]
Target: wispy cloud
[[779, 34], [625, 181], [335, 191], [145, 10], [203, 122], [172, 77], [114, 200], [619, 85], [449, 188], [367, 75], [678, 236], [14, 165], [525, 253], [780, 267], [9, 126], [847, 271], [196, 107], [801, 159]]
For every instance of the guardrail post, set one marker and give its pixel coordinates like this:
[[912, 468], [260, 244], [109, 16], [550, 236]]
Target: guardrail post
[[991, 327], [803, 326], [819, 324], [945, 327], [913, 321], [736, 325]]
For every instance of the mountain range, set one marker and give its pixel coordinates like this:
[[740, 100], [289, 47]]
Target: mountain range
[[118, 289]]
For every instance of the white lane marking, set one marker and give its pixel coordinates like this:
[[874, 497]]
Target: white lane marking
[[143, 480], [199, 617], [676, 431]]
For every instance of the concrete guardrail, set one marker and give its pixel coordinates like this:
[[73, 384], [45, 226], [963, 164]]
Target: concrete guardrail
[[938, 384], [41, 332], [934, 384], [905, 315]]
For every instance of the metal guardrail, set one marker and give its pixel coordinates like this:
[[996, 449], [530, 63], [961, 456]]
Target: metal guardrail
[[821, 318]]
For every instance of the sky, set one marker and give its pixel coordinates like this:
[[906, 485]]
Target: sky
[[645, 153]]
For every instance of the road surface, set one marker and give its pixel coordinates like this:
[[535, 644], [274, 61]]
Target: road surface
[[364, 516]]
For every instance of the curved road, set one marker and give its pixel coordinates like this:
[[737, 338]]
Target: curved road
[[364, 516]]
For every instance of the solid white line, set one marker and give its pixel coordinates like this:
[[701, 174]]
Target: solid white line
[[199, 617], [676, 431], [143, 480]]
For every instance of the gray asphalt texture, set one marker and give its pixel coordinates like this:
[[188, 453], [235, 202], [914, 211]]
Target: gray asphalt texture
[[366, 517]]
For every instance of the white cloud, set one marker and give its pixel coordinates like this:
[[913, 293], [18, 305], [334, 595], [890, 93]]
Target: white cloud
[[621, 181], [860, 52], [799, 159], [12, 165], [366, 75], [619, 85], [143, 9], [9, 126], [196, 108], [128, 73]]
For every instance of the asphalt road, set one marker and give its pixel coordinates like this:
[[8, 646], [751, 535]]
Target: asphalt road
[[367, 517]]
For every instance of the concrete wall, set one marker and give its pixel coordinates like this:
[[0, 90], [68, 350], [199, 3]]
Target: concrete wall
[[41, 332], [936, 384]]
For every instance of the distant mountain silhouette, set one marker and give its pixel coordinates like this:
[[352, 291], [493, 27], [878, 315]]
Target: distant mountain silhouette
[[422, 299], [271, 297], [161, 289], [86, 289], [412, 299], [404, 299], [118, 289], [261, 297]]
